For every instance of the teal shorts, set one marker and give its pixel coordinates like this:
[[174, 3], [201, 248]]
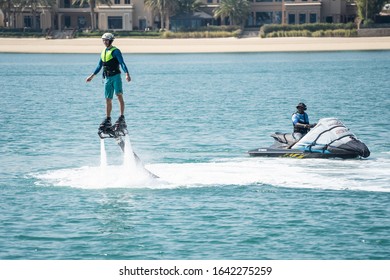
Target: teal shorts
[[113, 84]]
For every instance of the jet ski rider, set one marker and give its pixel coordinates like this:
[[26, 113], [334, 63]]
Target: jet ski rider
[[300, 121]]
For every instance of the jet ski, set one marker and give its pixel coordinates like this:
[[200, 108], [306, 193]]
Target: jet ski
[[330, 138]]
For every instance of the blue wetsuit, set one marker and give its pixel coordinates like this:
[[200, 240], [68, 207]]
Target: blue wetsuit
[[300, 118]]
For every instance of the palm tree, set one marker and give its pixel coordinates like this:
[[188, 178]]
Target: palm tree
[[165, 8], [236, 10], [157, 7], [17, 7], [188, 6], [92, 6], [34, 6], [5, 7]]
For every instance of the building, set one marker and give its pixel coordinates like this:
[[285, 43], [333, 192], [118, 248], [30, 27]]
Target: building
[[121, 15], [297, 11], [127, 15]]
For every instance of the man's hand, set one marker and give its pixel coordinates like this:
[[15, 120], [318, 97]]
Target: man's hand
[[309, 125], [90, 77], [128, 78]]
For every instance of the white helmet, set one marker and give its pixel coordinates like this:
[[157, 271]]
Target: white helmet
[[108, 36]]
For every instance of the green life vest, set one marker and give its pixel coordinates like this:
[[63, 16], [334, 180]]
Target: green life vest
[[110, 63]]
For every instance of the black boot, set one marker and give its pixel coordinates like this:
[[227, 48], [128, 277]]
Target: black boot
[[120, 124], [106, 123]]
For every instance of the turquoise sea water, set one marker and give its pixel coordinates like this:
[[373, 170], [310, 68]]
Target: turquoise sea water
[[191, 119]]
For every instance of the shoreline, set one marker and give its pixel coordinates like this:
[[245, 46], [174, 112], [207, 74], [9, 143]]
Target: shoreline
[[212, 45]]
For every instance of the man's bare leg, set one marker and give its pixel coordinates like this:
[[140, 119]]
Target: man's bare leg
[[108, 107], [121, 104]]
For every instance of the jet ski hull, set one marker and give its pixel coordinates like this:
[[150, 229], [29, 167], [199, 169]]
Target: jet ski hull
[[294, 153]]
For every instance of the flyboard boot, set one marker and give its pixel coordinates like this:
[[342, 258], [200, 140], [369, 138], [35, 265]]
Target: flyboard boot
[[105, 129], [120, 126]]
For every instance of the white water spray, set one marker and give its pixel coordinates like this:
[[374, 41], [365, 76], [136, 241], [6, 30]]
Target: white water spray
[[103, 154], [128, 156]]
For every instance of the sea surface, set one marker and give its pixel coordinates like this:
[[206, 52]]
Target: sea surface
[[65, 194]]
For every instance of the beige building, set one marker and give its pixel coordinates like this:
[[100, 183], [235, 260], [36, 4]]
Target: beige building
[[129, 15], [297, 11], [121, 15]]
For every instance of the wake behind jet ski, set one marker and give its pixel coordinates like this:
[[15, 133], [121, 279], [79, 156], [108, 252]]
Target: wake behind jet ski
[[117, 132], [330, 138]]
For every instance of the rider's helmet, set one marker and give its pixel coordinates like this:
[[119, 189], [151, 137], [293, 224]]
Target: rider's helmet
[[302, 105], [108, 36]]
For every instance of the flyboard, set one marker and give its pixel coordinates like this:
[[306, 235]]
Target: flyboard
[[118, 132]]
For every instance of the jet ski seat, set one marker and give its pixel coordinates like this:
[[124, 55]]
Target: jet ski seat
[[285, 140]]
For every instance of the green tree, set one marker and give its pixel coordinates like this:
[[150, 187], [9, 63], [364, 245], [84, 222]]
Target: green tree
[[367, 9], [156, 6], [188, 6], [35, 6], [16, 7], [92, 7], [5, 6], [236, 10], [164, 8]]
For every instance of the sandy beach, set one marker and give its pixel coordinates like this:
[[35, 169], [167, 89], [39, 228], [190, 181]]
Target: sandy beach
[[94, 45]]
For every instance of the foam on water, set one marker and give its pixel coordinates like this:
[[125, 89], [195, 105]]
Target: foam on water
[[88, 177], [366, 175]]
